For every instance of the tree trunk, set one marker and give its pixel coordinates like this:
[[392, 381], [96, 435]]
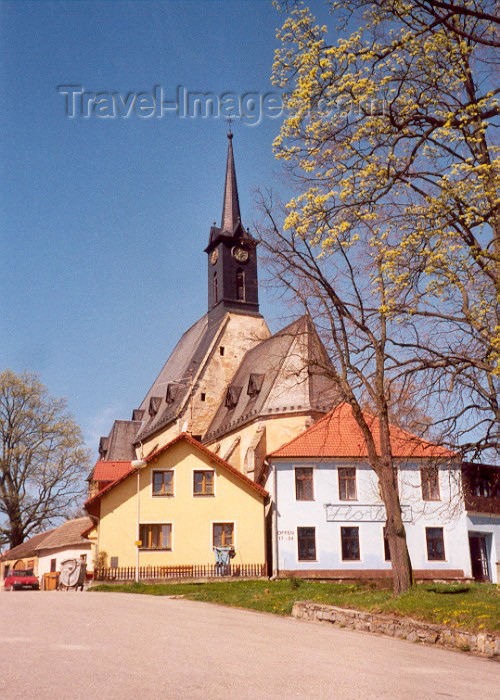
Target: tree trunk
[[395, 531]]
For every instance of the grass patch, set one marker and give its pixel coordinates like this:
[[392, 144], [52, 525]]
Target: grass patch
[[474, 607]]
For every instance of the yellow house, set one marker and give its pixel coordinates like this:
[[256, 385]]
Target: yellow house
[[175, 508]]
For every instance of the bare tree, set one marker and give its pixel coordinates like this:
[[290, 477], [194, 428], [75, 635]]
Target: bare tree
[[361, 338], [43, 462]]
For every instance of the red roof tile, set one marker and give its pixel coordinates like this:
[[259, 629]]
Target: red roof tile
[[338, 435], [110, 471]]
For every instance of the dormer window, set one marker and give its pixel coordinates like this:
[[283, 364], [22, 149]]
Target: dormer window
[[232, 396], [172, 390], [103, 447], [154, 405], [255, 384], [137, 414]]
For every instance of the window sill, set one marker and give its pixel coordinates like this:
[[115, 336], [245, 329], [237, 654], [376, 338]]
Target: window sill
[[163, 495], [155, 549], [203, 495]]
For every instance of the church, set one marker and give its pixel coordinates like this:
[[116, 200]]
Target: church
[[239, 420], [229, 384]]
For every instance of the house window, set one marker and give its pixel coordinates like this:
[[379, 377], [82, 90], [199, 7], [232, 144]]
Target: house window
[[203, 483], [221, 351], [216, 289], [429, 477], [387, 551], [435, 543], [156, 536], [347, 483], [113, 562], [30, 564], [53, 563], [223, 534], [163, 483], [304, 484], [203, 396], [306, 538], [350, 543], [240, 285]]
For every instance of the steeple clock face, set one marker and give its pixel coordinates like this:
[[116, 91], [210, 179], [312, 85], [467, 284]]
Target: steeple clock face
[[240, 254], [214, 256]]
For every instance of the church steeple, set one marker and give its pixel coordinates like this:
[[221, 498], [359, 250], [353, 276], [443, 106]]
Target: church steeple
[[232, 255], [231, 216]]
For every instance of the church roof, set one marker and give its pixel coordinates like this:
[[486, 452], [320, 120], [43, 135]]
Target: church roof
[[231, 215], [338, 435], [231, 226], [165, 399], [119, 445], [279, 375]]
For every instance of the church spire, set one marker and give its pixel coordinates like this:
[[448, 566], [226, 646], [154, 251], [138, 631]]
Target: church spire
[[231, 216]]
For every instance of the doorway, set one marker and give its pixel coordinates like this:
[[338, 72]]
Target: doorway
[[479, 558]]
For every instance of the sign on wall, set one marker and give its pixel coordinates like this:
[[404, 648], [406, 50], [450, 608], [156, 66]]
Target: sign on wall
[[361, 513]]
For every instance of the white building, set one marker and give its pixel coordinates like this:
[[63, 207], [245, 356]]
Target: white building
[[67, 541], [328, 517]]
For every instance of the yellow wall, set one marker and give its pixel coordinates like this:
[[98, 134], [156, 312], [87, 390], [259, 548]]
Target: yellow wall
[[191, 517], [279, 430]]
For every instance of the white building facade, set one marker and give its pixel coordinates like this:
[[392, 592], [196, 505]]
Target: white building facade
[[327, 517]]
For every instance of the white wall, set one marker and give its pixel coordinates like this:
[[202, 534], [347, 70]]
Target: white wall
[[61, 554], [367, 513]]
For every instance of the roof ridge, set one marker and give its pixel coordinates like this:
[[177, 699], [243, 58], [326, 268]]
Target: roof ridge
[[159, 451], [399, 436]]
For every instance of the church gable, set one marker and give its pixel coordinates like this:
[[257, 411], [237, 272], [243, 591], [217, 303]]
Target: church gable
[[275, 377]]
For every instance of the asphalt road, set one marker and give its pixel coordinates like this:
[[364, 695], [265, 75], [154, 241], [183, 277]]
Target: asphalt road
[[110, 645]]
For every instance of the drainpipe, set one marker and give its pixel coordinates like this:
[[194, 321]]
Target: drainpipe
[[138, 464], [274, 525]]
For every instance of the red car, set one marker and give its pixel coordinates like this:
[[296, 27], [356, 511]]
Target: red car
[[17, 580]]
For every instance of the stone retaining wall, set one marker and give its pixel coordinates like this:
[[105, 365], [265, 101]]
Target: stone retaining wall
[[400, 627]]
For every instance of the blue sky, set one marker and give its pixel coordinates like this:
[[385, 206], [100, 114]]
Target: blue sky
[[105, 220]]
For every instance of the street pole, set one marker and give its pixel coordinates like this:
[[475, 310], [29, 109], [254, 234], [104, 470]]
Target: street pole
[[138, 464]]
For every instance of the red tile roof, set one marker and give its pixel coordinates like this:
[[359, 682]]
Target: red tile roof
[[110, 471], [90, 505], [338, 435]]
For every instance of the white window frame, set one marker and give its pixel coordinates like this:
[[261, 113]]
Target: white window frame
[[201, 496], [162, 495], [226, 521], [159, 522]]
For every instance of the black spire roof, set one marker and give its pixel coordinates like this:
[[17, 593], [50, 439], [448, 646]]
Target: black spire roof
[[231, 226], [231, 215]]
